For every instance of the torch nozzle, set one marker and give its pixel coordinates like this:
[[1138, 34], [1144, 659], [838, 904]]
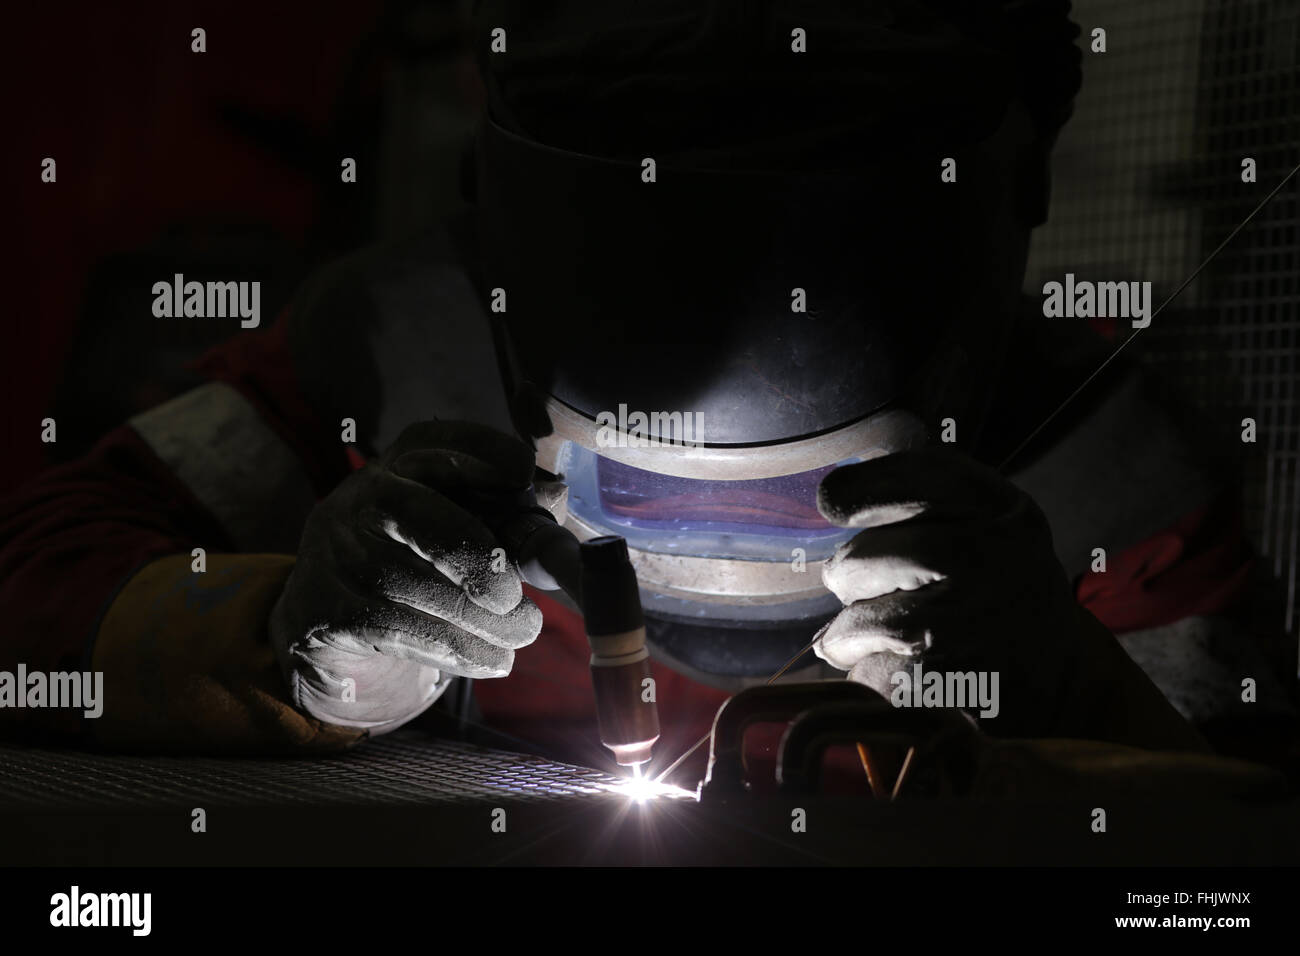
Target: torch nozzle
[[599, 576], [620, 661]]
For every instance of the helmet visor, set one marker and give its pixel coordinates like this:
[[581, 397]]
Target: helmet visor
[[762, 519]]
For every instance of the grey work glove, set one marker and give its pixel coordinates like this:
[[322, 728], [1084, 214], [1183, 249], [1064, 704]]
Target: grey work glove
[[398, 588], [955, 570]]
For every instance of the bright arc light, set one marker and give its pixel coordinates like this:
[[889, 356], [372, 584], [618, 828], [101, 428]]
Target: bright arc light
[[640, 789]]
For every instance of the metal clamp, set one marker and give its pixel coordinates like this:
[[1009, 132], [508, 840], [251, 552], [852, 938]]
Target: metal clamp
[[942, 743], [727, 770]]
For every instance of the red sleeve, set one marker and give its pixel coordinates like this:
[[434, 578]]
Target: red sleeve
[[73, 536], [1199, 566]]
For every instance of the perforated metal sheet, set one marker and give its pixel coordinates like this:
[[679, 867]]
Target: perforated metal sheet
[[404, 768]]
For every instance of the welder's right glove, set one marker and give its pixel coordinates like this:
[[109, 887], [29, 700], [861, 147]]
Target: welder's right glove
[[398, 588], [954, 571]]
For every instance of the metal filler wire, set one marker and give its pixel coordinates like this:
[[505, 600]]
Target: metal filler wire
[[700, 743], [1034, 434], [1132, 335]]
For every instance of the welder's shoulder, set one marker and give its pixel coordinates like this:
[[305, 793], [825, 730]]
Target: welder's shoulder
[[412, 283], [361, 279], [396, 333]]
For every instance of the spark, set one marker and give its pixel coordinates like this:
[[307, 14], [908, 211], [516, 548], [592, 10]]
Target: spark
[[641, 789]]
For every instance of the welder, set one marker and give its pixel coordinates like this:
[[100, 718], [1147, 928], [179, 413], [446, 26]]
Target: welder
[[347, 587]]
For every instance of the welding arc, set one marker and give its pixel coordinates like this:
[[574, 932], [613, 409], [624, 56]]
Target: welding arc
[[1047, 421], [1185, 283]]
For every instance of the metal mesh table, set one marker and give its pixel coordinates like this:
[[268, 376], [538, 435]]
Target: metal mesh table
[[406, 768]]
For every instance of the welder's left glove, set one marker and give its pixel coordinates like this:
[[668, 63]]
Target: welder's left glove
[[955, 571]]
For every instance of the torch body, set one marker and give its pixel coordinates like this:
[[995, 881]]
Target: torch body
[[599, 577], [620, 662]]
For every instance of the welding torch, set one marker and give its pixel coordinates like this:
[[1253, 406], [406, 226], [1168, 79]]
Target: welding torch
[[598, 575]]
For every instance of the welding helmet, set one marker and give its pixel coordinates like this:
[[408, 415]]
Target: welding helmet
[[718, 307]]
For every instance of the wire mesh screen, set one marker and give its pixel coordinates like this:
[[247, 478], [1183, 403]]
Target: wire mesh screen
[[1148, 181], [401, 768]]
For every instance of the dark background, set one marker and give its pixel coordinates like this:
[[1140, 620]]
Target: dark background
[[221, 163]]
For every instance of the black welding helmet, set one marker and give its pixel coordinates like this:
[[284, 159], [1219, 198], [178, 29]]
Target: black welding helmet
[[727, 270]]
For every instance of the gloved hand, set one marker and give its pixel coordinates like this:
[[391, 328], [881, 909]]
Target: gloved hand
[[955, 570], [397, 588]]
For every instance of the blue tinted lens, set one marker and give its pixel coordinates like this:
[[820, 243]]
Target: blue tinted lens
[[757, 519]]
